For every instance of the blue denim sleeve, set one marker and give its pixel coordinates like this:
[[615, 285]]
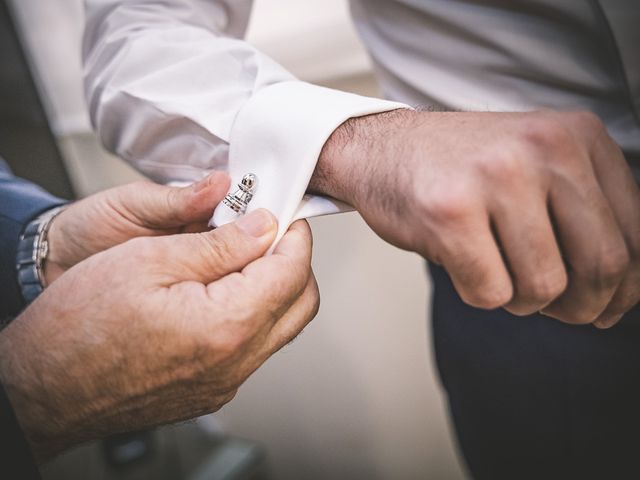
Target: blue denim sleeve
[[20, 202]]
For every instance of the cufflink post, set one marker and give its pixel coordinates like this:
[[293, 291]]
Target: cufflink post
[[239, 199]]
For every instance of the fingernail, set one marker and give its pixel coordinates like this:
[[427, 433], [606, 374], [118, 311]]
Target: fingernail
[[256, 223], [607, 322], [211, 179]]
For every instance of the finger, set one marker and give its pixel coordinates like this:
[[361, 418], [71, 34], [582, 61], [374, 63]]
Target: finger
[[288, 268], [593, 248], [612, 315], [207, 257], [471, 257], [268, 286], [531, 252], [625, 298], [289, 326], [299, 242], [619, 186], [156, 206]]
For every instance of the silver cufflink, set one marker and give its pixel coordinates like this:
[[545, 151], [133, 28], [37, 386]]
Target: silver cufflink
[[239, 200]]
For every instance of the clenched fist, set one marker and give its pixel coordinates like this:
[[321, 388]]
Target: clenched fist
[[527, 211]]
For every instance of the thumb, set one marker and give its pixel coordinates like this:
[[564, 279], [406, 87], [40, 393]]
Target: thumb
[[209, 256], [162, 207]]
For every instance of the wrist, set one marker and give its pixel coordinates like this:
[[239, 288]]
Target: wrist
[[347, 166]]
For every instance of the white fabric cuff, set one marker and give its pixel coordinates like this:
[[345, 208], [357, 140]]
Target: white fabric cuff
[[278, 136]]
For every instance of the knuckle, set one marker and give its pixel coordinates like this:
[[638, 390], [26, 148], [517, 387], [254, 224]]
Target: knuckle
[[449, 207], [609, 268], [504, 166], [588, 121], [488, 298], [542, 288], [547, 133]]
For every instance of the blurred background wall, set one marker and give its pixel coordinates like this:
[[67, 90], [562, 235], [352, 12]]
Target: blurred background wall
[[356, 396]]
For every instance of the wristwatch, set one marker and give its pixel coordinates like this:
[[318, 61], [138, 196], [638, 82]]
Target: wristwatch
[[33, 249]]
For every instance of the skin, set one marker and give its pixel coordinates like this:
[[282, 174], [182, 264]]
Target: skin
[[140, 209], [527, 211], [159, 328]]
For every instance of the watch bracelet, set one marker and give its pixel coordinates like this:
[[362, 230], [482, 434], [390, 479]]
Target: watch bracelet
[[33, 249]]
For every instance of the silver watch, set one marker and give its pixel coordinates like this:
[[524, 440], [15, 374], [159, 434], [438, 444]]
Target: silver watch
[[33, 249]]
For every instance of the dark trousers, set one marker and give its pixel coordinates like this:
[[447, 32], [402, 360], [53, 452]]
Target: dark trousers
[[535, 398]]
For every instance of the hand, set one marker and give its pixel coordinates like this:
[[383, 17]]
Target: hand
[[531, 211], [155, 330], [140, 209]]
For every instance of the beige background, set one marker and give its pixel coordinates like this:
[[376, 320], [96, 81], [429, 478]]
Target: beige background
[[355, 397]]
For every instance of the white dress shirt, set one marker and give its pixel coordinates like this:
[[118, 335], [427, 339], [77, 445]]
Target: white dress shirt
[[173, 89]]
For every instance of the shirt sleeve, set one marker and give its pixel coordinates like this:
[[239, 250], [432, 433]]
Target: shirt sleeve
[[174, 90], [20, 202]]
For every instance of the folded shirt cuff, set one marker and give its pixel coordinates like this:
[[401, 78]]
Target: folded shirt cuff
[[278, 136]]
